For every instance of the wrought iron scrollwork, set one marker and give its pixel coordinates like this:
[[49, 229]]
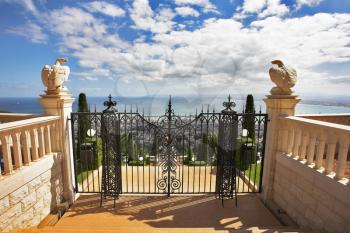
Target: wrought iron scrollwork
[[168, 162], [226, 167], [111, 156]]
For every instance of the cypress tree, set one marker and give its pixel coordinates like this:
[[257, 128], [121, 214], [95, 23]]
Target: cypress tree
[[84, 124], [203, 148], [249, 118], [131, 148]]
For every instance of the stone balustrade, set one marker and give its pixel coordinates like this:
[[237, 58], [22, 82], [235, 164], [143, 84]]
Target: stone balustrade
[[321, 145], [26, 141], [10, 117], [338, 118]]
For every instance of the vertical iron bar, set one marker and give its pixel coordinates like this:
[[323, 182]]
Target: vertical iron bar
[[169, 139], [195, 149], [74, 152], [263, 152]]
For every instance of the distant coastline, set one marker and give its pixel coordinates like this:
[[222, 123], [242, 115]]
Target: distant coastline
[[326, 103], [156, 105]]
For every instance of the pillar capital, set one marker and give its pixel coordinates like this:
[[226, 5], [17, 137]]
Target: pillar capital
[[281, 105]]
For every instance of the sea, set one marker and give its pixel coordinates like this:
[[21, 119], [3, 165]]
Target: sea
[[156, 105]]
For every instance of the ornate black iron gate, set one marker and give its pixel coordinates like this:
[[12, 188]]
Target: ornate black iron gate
[[120, 152]]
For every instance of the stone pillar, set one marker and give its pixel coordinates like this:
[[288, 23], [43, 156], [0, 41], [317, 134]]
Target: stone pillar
[[58, 102], [281, 103], [276, 108]]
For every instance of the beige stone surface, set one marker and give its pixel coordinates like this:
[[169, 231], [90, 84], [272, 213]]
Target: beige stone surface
[[34, 199], [160, 212], [323, 205]]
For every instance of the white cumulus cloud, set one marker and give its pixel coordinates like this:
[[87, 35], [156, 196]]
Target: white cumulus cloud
[[222, 54], [206, 4], [262, 8], [31, 31], [187, 11], [144, 18], [105, 8], [300, 3]]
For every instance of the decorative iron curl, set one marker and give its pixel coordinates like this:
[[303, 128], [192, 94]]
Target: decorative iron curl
[[162, 183]]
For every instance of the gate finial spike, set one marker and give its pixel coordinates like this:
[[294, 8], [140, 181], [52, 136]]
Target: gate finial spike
[[110, 104], [229, 105]]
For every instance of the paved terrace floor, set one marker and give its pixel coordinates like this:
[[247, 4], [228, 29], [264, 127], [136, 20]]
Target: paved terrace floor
[[161, 214]]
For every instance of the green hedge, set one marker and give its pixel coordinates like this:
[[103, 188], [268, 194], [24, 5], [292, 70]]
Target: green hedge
[[197, 163], [243, 162], [83, 168], [97, 150], [139, 162]]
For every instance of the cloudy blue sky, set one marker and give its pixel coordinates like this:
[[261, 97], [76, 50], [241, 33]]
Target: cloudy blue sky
[[179, 47]]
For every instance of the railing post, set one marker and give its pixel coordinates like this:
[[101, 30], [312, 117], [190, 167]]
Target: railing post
[[47, 139], [290, 141], [342, 158], [285, 139], [34, 144], [311, 150], [6, 154], [304, 143], [320, 150], [25, 139], [297, 141], [17, 153], [330, 157], [41, 141]]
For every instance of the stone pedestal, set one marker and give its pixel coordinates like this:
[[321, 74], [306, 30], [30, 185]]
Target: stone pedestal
[[277, 107], [60, 104]]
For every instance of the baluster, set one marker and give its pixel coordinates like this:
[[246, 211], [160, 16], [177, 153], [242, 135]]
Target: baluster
[[6, 154], [34, 144], [48, 139], [25, 141], [297, 141], [17, 153], [330, 157], [279, 140], [304, 144], [320, 150], [41, 141], [290, 141], [284, 140], [342, 158], [55, 137], [311, 150]]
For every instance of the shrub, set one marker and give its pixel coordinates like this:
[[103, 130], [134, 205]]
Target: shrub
[[97, 151]]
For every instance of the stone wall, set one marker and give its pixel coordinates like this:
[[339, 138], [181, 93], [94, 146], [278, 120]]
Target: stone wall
[[30, 194], [310, 198]]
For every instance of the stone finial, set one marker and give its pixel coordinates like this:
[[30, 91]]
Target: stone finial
[[54, 76], [284, 77]]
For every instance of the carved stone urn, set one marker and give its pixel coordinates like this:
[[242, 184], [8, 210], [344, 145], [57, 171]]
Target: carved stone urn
[[54, 76]]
